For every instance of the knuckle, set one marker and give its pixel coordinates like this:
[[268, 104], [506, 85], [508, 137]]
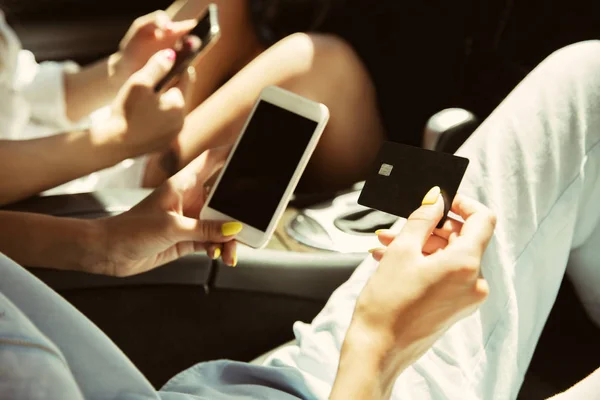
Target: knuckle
[[492, 218], [139, 85], [177, 100], [137, 23], [480, 292], [426, 214], [418, 214], [471, 265], [160, 15], [465, 270], [209, 230], [400, 247]]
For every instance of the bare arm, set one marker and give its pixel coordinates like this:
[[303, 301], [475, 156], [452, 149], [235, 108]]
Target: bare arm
[[45, 241], [141, 122], [370, 362], [32, 166], [363, 372], [94, 86]]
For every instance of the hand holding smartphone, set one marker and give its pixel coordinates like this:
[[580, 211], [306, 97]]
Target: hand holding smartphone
[[266, 163], [197, 42]]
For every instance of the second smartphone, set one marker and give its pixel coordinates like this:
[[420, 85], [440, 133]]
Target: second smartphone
[[201, 38]]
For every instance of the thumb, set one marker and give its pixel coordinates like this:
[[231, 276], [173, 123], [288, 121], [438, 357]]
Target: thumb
[[206, 231], [422, 222], [157, 67], [180, 28]]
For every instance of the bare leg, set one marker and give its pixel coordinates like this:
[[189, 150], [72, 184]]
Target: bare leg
[[320, 67]]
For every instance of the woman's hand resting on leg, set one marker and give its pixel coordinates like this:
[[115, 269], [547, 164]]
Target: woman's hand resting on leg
[[165, 225], [427, 280]]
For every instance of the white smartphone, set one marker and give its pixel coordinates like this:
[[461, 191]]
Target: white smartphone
[[266, 164]]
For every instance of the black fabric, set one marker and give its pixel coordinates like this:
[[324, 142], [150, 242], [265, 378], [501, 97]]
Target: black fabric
[[426, 55], [165, 329], [414, 51], [567, 351]]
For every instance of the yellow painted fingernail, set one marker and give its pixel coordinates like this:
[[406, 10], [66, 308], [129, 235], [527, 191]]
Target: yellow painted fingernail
[[432, 196], [379, 231], [376, 249], [234, 263], [231, 228], [216, 253]]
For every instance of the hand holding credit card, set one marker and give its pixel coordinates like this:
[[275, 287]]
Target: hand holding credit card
[[403, 174]]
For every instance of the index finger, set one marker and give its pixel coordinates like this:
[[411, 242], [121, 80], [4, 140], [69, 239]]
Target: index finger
[[479, 224]]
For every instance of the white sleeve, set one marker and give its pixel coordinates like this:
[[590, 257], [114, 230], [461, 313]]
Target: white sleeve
[[43, 87]]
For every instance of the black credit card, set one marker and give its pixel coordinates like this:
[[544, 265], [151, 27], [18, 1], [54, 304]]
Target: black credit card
[[403, 175]]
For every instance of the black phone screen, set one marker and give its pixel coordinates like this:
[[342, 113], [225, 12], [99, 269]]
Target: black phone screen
[[202, 29], [262, 166]]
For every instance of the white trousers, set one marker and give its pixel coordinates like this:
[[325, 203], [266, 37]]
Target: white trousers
[[536, 163]]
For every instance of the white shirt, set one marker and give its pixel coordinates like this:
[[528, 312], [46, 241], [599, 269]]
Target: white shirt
[[32, 105]]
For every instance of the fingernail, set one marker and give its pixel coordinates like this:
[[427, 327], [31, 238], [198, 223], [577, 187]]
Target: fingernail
[[231, 228], [169, 54], [233, 260], [379, 231], [216, 253], [376, 249], [432, 196], [169, 26]]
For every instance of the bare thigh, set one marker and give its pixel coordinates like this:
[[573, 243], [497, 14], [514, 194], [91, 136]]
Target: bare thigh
[[320, 67]]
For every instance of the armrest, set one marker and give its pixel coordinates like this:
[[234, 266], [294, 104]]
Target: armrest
[[305, 275], [82, 205], [190, 270]]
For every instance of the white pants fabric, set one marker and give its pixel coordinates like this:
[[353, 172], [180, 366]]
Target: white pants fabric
[[536, 163]]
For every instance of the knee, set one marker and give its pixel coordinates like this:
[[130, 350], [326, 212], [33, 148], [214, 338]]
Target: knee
[[328, 57], [579, 61]]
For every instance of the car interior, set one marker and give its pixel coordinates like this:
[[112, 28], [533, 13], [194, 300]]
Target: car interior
[[197, 309]]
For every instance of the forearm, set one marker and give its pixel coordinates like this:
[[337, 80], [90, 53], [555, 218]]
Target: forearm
[[36, 240], [32, 166], [371, 361], [94, 86], [365, 370]]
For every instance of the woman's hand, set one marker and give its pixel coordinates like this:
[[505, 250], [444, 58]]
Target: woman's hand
[[146, 36], [165, 225], [141, 120], [427, 280]]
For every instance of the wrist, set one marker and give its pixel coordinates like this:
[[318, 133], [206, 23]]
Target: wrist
[[85, 246], [109, 138], [119, 70], [369, 364], [95, 244]]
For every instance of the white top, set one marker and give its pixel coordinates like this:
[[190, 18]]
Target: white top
[[32, 105]]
